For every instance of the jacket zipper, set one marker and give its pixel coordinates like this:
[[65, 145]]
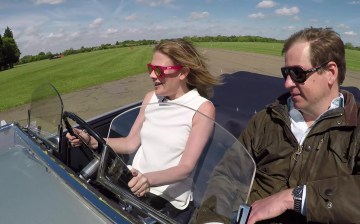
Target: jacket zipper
[[296, 155]]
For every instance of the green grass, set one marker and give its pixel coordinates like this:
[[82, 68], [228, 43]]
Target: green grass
[[352, 56], [254, 47], [71, 72], [352, 60], [88, 69]]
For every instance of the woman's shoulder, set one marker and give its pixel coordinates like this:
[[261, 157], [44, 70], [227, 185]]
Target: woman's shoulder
[[207, 108], [148, 96]]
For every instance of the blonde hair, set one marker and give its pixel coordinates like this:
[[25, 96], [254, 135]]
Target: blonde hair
[[182, 52]]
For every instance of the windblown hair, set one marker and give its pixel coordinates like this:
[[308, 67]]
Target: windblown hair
[[182, 52], [325, 46]]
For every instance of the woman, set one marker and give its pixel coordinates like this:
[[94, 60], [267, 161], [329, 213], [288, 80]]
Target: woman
[[161, 167]]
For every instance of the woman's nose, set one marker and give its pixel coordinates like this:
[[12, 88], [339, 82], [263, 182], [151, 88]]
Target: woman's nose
[[152, 74]]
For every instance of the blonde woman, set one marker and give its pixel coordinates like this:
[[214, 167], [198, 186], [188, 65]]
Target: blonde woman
[[163, 163]]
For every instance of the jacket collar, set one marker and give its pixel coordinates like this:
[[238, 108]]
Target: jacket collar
[[350, 109]]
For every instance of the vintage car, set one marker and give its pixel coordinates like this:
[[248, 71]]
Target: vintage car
[[46, 180]]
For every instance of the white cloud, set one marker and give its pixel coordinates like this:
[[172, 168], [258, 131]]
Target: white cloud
[[111, 31], [132, 17], [198, 15], [159, 28], [155, 3], [350, 33], [296, 17], [289, 28], [266, 4], [355, 3], [50, 2], [31, 30], [258, 15], [287, 11], [75, 35], [55, 35], [96, 23], [343, 26]]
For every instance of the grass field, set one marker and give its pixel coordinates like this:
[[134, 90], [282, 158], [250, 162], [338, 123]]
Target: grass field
[[88, 69], [71, 72], [255, 47], [352, 56]]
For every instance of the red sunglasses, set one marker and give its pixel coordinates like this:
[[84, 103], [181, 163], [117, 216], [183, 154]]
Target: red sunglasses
[[160, 70]]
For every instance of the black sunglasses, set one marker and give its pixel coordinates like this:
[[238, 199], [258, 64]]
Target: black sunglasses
[[299, 74]]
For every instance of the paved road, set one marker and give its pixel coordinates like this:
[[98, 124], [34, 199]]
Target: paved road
[[99, 99]]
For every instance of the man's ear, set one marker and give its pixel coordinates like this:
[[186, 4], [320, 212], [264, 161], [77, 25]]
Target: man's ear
[[333, 73], [184, 73]]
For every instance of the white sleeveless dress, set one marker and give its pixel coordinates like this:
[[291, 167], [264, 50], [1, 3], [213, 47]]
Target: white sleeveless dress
[[163, 138]]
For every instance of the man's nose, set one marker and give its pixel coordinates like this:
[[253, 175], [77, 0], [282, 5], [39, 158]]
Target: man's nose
[[289, 82]]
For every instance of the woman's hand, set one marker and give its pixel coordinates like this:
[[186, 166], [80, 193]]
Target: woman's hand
[[139, 184], [75, 140]]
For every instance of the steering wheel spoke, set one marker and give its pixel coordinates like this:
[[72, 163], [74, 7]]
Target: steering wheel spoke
[[89, 170]]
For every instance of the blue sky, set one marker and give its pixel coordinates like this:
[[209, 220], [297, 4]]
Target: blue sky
[[57, 25]]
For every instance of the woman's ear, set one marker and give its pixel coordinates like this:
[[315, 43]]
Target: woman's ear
[[184, 73]]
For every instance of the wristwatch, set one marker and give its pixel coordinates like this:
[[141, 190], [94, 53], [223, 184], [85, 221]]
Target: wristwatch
[[297, 196]]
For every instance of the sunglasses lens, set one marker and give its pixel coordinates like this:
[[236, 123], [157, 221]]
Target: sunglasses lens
[[149, 69], [158, 71], [297, 74]]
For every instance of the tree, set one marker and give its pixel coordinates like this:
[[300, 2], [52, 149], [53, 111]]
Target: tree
[[349, 46], [8, 33], [11, 52], [1, 54]]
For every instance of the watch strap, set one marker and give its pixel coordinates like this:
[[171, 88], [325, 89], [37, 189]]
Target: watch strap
[[297, 196]]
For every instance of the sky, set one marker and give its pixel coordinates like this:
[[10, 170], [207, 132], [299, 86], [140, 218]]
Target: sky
[[57, 25]]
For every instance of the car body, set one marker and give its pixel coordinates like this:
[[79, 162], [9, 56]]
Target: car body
[[45, 180]]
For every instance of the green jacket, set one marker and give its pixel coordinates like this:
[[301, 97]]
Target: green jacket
[[329, 163], [329, 166]]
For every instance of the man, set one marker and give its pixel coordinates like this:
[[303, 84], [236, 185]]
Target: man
[[306, 144]]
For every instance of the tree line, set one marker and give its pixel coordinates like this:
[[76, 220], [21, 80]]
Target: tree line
[[49, 55], [9, 51], [132, 43], [10, 54]]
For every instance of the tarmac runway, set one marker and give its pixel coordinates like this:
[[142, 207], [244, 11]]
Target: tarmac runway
[[96, 100]]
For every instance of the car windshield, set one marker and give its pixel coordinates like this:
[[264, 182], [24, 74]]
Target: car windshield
[[45, 112], [208, 184], [31, 190]]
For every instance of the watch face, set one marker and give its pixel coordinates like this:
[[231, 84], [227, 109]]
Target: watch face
[[298, 191]]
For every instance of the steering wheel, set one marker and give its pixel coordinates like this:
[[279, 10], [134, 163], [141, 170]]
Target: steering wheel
[[85, 126], [89, 170]]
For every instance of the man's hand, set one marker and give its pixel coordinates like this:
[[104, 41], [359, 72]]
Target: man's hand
[[271, 206]]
